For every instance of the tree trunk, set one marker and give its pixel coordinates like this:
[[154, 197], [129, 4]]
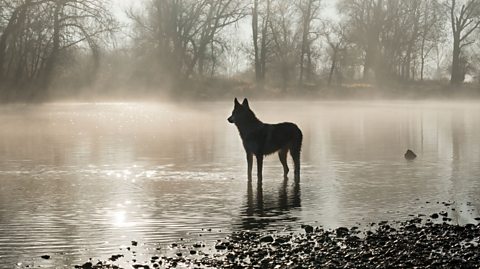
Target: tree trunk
[[368, 66], [456, 76], [263, 48], [53, 58], [408, 63], [309, 73], [201, 60], [373, 35], [3, 41], [16, 19], [258, 70], [334, 63], [305, 42], [422, 58]]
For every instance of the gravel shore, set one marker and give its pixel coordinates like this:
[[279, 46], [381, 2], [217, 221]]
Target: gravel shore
[[421, 242]]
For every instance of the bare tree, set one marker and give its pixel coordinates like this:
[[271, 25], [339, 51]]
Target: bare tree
[[464, 21], [262, 37], [38, 32], [396, 36], [285, 39], [367, 19], [183, 36], [432, 30], [337, 40], [21, 47], [76, 21], [310, 10]]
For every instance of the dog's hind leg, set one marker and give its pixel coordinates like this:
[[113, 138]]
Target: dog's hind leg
[[250, 165], [282, 155], [295, 152], [259, 166], [296, 162]]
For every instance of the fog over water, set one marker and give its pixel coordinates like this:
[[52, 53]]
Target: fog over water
[[82, 180]]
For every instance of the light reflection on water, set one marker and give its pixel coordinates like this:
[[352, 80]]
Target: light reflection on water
[[83, 180]]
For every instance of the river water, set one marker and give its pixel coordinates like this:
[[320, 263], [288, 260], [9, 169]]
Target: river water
[[80, 181]]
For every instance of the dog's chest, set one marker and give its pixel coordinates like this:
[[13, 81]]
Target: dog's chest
[[260, 141]]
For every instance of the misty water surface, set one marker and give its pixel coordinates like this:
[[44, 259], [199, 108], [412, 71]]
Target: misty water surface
[[83, 180]]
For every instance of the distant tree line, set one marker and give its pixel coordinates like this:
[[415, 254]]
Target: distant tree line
[[39, 37], [75, 44]]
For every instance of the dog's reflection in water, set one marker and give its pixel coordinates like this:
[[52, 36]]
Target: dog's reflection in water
[[263, 209]]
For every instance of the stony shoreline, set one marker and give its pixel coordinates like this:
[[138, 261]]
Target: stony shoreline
[[420, 242]]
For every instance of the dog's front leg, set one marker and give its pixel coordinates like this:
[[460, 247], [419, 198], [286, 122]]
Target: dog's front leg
[[250, 165], [259, 166]]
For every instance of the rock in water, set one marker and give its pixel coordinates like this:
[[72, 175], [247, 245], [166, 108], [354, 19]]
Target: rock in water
[[410, 155]]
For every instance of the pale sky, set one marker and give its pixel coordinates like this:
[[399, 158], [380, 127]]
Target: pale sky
[[119, 7]]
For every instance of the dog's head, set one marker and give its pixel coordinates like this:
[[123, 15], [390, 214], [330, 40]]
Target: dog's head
[[240, 111]]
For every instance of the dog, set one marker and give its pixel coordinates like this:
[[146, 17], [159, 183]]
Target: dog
[[261, 139]]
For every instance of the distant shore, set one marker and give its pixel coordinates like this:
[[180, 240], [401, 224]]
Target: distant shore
[[224, 89]]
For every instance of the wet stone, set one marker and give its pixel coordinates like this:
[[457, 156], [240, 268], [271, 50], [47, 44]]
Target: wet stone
[[87, 265], [341, 231], [308, 229], [266, 239], [115, 257], [220, 247]]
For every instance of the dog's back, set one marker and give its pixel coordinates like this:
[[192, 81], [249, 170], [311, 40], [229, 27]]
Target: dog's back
[[278, 136]]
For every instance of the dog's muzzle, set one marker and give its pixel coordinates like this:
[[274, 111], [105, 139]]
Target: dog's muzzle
[[231, 119]]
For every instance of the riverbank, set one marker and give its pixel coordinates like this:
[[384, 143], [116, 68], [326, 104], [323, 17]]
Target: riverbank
[[420, 242], [220, 89]]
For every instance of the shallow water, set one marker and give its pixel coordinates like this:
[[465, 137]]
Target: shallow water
[[84, 180]]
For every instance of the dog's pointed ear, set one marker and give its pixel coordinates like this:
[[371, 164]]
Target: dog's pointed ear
[[245, 102], [236, 103]]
